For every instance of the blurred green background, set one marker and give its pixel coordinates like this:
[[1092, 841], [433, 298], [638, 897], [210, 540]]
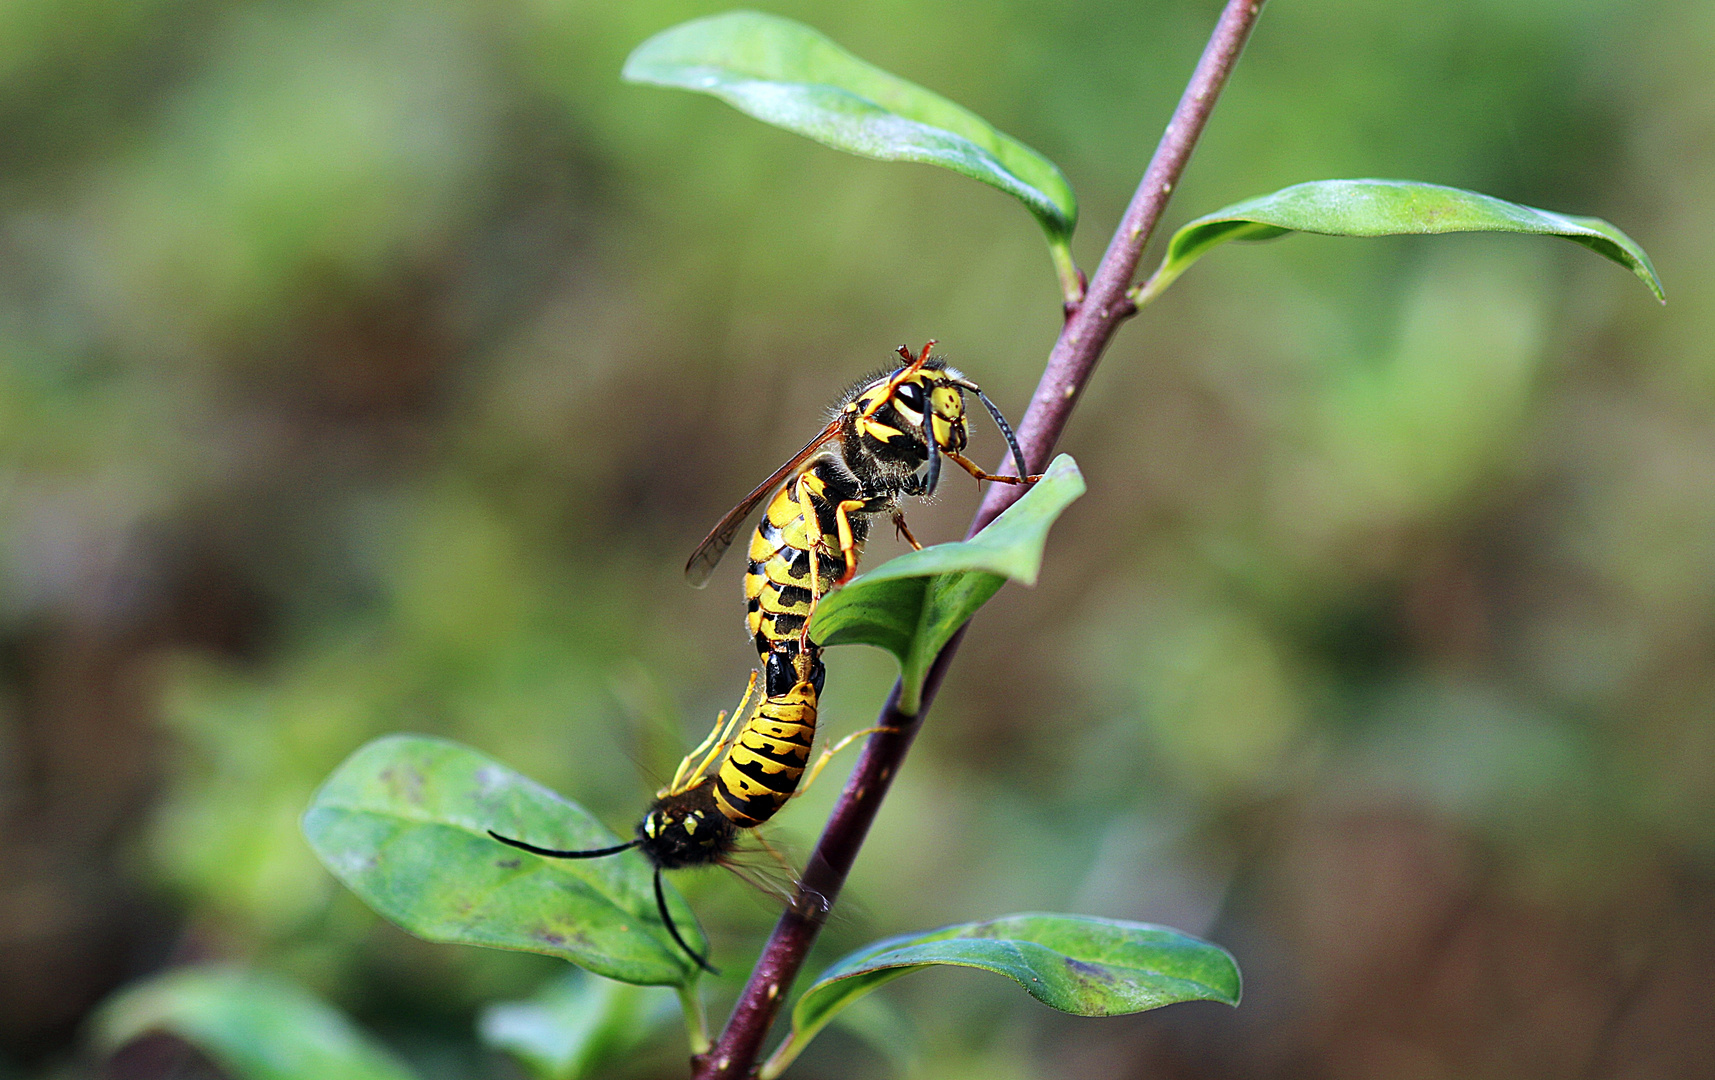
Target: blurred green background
[[371, 366]]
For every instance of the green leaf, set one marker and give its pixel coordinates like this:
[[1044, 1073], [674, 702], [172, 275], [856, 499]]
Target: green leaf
[[786, 74], [404, 824], [1386, 208], [573, 1024], [1075, 963], [254, 1026], [912, 605]]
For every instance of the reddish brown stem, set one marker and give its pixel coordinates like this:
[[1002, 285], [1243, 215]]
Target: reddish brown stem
[[1082, 340]]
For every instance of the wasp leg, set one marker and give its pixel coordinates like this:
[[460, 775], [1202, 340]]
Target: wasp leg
[[685, 762], [828, 755], [727, 730], [848, 541], [813, 531], [899, 526], [970, 466]]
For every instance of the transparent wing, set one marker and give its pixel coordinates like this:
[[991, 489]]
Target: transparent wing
[[708, 555]]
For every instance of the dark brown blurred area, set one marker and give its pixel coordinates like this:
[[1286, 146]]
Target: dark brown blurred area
[[1395, 945], [371, 366], [86, 763]]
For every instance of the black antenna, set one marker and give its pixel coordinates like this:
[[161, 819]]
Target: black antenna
[[552, 854], [934, 476], [1005, 429], [596, 853], [666, 917]]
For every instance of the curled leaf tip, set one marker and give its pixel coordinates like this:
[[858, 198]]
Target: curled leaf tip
[[1372, 207], [786, 74]]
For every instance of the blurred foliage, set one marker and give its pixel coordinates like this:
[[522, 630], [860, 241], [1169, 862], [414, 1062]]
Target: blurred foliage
[[369, 366], [252, 1025], [575, 1023]]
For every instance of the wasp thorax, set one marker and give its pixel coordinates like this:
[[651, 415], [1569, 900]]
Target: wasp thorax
[[685, 829]]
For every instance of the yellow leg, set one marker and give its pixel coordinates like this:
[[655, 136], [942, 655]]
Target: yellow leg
[[728, 733], [828, 754], [971, 467], [848, 542], [848, 550], [685, 762]]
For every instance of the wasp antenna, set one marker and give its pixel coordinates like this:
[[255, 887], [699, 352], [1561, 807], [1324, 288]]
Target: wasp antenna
[[552, 854], [922, 357], [666, 917], [1005, 428], [904, 352]]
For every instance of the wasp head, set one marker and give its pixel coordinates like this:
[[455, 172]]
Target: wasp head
[[685, 829], [908, 394]]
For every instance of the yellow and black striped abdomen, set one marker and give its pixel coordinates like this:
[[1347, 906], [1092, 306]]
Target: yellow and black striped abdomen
[[768, 756], [779, 591]]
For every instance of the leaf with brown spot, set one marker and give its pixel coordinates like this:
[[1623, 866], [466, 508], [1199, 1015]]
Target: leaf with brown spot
[[420, 854], [1075, 963]]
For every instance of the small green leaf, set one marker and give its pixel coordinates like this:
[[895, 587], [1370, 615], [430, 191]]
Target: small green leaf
[[786, 74], [1075, 963], [404, 824], [574, 1024], [254, 1026], [1386, 208], [912, 605]]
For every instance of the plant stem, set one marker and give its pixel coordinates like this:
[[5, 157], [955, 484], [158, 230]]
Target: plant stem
[[1082, 340], [696, 1018], [1071, 284]]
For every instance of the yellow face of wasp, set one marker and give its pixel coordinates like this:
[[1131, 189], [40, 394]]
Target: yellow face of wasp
[[948, 421]]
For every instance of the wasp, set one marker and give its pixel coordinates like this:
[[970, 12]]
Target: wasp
[[699, 817], [884, 440]]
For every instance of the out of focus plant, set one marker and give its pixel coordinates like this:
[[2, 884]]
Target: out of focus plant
[[405, 820]]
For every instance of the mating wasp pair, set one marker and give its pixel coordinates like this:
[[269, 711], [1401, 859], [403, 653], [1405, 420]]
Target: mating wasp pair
[[884, 441]]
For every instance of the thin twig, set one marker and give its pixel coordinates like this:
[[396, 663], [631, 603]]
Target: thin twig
[[1082, 341]]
